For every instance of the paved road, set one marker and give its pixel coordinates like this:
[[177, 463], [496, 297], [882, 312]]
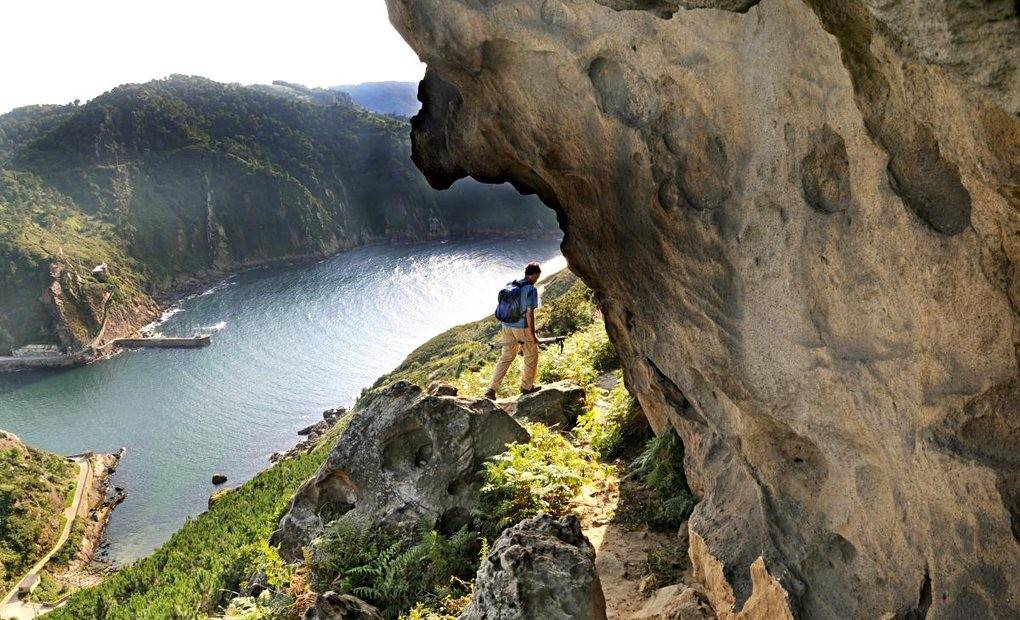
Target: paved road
[[10, 607]]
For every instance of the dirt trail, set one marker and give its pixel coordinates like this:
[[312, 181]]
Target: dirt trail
[[622, 548], [621, 552]]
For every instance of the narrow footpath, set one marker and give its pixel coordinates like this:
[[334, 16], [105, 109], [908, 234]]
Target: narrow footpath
[[11, 608]]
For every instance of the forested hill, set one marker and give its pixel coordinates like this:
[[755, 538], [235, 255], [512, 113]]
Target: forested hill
[[186, 178], [399, 98]]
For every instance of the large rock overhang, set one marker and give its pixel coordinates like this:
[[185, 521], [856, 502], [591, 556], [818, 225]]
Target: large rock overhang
[[803, 221]]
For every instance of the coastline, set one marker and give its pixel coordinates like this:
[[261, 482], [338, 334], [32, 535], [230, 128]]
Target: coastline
[[87, 566], [198, 283], [166, 299]]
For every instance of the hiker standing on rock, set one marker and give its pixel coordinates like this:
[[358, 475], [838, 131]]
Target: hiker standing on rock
[[516, 310]]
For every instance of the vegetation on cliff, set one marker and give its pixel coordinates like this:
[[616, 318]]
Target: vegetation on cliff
[[203, 564], [187, 178], [35, 487]]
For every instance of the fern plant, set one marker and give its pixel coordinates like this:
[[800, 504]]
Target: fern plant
[[390, 571], [543, 475], [661, 468]]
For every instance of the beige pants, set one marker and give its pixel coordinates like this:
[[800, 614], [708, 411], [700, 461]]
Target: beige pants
[[513, 339]]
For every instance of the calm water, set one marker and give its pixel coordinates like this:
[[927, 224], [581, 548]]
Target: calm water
[[289, 343]]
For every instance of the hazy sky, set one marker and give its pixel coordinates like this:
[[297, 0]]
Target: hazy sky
[[55, 51]]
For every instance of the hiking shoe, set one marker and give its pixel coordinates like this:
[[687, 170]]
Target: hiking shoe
[[533, 389], [490, 394]]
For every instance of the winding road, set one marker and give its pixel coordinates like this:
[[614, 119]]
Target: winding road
[[11, 608]]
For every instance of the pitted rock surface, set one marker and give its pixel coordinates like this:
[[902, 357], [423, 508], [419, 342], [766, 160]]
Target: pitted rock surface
[[404, 457], [539, 568], [803, 221]]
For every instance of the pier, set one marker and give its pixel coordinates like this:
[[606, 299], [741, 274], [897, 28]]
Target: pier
[[44, 362], [194, 342]]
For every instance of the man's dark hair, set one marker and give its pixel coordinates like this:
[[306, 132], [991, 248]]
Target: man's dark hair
[[532, 268]]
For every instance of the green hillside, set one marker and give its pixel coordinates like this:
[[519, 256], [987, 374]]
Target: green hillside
[[186, 178], [35, 487]]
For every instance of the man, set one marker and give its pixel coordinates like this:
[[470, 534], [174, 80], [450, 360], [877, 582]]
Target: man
[[521, 334]]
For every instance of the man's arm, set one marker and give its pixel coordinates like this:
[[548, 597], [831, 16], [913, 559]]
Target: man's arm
[[531, 324]]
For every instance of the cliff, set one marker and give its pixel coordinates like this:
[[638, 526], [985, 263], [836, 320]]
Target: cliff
[[803, 221], [186, 179]]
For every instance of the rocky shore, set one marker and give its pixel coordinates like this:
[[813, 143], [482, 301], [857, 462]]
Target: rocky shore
[[88, 565], [313, 434]]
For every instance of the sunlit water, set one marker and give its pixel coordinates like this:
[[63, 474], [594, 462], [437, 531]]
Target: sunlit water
[[288, 344]]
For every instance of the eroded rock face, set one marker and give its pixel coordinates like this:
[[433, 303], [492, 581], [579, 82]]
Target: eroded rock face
[[803, 220], [539, 568], [405, 456]]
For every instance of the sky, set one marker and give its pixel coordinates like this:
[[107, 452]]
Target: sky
[[56, 51]]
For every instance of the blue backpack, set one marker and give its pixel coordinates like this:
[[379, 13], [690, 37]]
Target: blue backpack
[[510, 304]]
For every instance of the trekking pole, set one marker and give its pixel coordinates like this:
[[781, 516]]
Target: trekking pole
[[542, 342]]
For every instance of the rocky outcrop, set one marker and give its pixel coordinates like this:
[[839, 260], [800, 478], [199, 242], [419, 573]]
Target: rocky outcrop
[[405, 456], [556, 405], [314, 434], [97, 507], [539, 568], [333, 606], [802, 218]]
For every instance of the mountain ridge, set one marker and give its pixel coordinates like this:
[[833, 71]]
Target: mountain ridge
[[185, 179]]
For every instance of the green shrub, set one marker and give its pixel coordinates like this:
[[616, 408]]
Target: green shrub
[[49, 589], [390, 571], [661, 468], [586, 354], [70, 547], [259, 557], [609, 431], [569, 312], [665, 564], [543, 475], [450, 608], [34, 486]]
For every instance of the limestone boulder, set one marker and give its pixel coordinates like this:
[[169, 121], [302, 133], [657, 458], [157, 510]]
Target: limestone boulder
[[556, 405], [333, 606], [441, 388], [802, 221], [540, 568], [675, 602], [405, 456]]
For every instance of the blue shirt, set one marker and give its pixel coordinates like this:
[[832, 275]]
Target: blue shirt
[[530, 296]]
